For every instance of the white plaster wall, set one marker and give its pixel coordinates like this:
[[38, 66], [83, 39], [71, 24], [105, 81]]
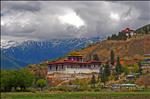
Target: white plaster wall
[[76, 70]]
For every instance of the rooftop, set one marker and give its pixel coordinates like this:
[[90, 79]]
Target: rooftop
[[73, 62], [75, 54]]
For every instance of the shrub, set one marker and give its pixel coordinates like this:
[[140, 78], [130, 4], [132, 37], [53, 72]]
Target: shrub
[[41, 83]]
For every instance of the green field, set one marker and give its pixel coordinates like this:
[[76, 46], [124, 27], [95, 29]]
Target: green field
[[77, 95]]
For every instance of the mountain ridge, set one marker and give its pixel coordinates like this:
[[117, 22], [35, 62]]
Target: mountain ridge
[[34, 52]]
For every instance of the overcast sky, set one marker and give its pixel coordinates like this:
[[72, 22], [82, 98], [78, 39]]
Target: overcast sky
[[60, 19]]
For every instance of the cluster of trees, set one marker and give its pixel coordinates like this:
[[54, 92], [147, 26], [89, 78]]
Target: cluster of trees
[[119, 36], [144, 30], [106, 70], [19, 80], [16, 78]]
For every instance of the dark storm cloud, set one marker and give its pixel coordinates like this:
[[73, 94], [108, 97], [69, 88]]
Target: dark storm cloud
[[21, 5], [142, 6], [41, 19]]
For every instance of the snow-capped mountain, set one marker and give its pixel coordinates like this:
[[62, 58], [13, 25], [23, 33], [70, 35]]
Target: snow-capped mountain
[[5, 44], [31, 51]]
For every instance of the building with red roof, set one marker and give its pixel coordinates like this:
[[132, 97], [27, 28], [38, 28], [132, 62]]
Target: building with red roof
[[129, 32], [74, 64]]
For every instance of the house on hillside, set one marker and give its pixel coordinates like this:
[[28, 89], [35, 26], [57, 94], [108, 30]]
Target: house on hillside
[[74, 64], [129, 32], [145, 64]]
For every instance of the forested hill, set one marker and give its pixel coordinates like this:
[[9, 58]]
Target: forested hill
[[144, 30]]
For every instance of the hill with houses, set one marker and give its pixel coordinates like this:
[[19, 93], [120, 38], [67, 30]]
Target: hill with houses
[[131, 51]]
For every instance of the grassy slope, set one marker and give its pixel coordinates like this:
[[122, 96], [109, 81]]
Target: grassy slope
[[132, 48], [78, 95]]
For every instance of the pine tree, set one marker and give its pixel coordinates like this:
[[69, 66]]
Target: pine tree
[[107, 70], [108, 38], [140, 68], [118, 67], [100, 73], [105, 74], [93, 80], [112, 57], [104, 78], [122, 36]]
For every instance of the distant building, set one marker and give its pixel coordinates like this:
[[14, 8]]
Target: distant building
[[146, 63], [124, 87], [74, 64], [129, 32]]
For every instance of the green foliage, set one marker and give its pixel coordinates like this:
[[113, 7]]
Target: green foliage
[[112, 57], [135, 68], [95, 57], [41, 83], [104, 78], [119, 36], [93, 80], [78, 95], [6, 80], [118, 67], [125, 70], [107, 70], [144, 30], [105, 73], [108, 38], [140, 68], [122, 36], [16, 78]]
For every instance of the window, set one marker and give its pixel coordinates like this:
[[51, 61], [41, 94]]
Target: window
[[62, 66], [50, 67], [56, 68]]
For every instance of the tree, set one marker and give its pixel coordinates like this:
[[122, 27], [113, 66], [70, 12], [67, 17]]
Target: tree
[[108, 38], [16, 78], [140, 68], [22, 78], [104, 77], [105, 73], [122, 36], [107, 70], [93, 80], [41, 83], [112, 57], [118, 67], [95, 57], [6, 80]]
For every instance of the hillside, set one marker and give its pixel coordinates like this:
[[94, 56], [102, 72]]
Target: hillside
[[130, 49], [133, 48]]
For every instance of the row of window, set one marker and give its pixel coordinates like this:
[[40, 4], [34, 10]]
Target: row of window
[[56, 67]]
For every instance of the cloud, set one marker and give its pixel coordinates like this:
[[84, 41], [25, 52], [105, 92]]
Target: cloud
[[57, 19]]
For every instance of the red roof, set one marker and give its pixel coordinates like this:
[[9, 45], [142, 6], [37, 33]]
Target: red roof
[[127, 30], [72, 61]]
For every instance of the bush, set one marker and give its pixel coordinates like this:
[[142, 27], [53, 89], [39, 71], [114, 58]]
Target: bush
[[21, 79], [41, 83]]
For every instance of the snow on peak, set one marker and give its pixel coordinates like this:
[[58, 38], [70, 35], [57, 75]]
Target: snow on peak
[[5, 44]]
